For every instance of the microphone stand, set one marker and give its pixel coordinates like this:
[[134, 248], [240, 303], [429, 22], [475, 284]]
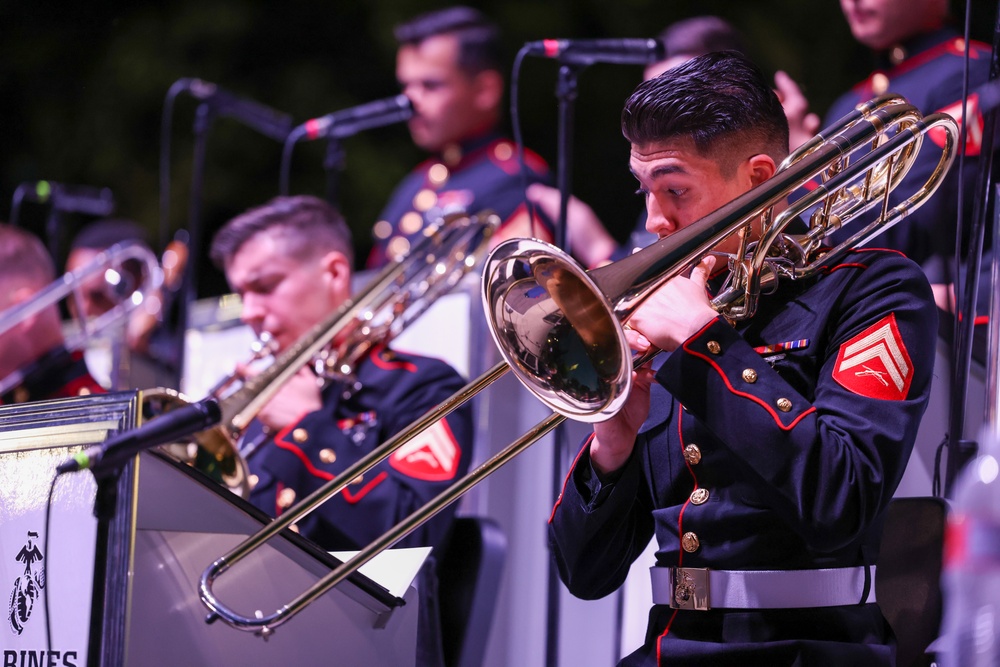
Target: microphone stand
[[566, 94], [106, 645], [203, 117], [960, 449], [333, 164]]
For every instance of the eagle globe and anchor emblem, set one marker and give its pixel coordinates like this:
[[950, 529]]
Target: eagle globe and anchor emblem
[[28, 586]]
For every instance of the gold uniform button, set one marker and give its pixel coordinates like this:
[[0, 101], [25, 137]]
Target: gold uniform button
[[690, 542], [411, 223], [252, 481], [358, 480], [424, 199], [880, 83], [327, 456], [713, 347], [382, 229], [437, 174], [897, 55], [692, 454], [784, 404], [699, 496], [749, 375], [397, 248], [503, 151], [300, 435], [286, 497]]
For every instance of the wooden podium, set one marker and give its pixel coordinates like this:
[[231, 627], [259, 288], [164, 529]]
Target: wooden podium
[[169, 523]]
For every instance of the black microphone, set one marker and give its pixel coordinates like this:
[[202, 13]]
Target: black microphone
[[348, 122], [168, 427], [590, 51], [98, 202], [264, 119]]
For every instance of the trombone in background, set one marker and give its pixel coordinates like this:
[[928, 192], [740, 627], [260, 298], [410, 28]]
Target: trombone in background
[[560, 328], [107, 272], [450, 248]]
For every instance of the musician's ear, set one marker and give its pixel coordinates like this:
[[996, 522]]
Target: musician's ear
[[760, 167], [337, 273]]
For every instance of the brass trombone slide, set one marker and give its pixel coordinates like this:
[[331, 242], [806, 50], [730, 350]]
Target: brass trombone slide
[[449, 249], [521, 267], [108, 266]]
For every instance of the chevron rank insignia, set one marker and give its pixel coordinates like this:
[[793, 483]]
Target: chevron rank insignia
[[875, 363], [431, 456]]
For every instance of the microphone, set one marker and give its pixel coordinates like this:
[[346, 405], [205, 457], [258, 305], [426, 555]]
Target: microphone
[[264, 119], [590, 51], [98, 202], [168, 427], [348, 122]]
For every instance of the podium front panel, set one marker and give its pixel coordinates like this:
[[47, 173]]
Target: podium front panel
[[50, 566], [183, 525]]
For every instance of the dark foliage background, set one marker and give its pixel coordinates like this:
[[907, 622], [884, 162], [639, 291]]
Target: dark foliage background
[[83, 87]]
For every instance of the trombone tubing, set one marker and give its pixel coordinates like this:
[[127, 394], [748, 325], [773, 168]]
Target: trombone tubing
[[266, 625], [335, 485]]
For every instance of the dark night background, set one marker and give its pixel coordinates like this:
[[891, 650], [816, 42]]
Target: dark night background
[[83, 88]]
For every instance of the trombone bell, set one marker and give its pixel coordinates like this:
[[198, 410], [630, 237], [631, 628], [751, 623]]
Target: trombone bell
[[557, 330]]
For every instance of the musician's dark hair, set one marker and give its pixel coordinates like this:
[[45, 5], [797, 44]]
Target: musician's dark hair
[[720, 100], [480, 46], [308, 226]]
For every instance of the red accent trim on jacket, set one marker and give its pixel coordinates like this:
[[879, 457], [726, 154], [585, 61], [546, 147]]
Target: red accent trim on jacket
[[751, 397], [952, 45], [680, 515], [279, 441], [295, 450], [353, 498], [388, 365], [663, 634], [586, 445]]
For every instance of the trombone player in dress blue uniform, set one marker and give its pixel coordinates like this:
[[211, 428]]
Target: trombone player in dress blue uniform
[[763, 452], [290, 260]]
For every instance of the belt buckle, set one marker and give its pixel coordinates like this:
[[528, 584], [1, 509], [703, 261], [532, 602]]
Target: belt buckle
[[690, 588]]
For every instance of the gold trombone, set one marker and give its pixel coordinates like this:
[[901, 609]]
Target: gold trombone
[[450, 248], [109, 267], [559, 327]]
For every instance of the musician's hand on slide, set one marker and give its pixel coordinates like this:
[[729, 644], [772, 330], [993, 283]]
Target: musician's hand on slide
[[614, 439], [677, 310], [297, 397]]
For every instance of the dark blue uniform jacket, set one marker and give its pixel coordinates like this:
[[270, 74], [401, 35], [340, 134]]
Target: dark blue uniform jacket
[[396, 389], [483, 174], [798, 423]]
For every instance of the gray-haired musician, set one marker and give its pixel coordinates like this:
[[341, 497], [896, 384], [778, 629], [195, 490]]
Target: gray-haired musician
[[760, 454], [34, 361], [290, 260]]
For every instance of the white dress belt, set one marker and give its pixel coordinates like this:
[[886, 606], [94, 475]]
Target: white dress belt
[[702, 588]]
